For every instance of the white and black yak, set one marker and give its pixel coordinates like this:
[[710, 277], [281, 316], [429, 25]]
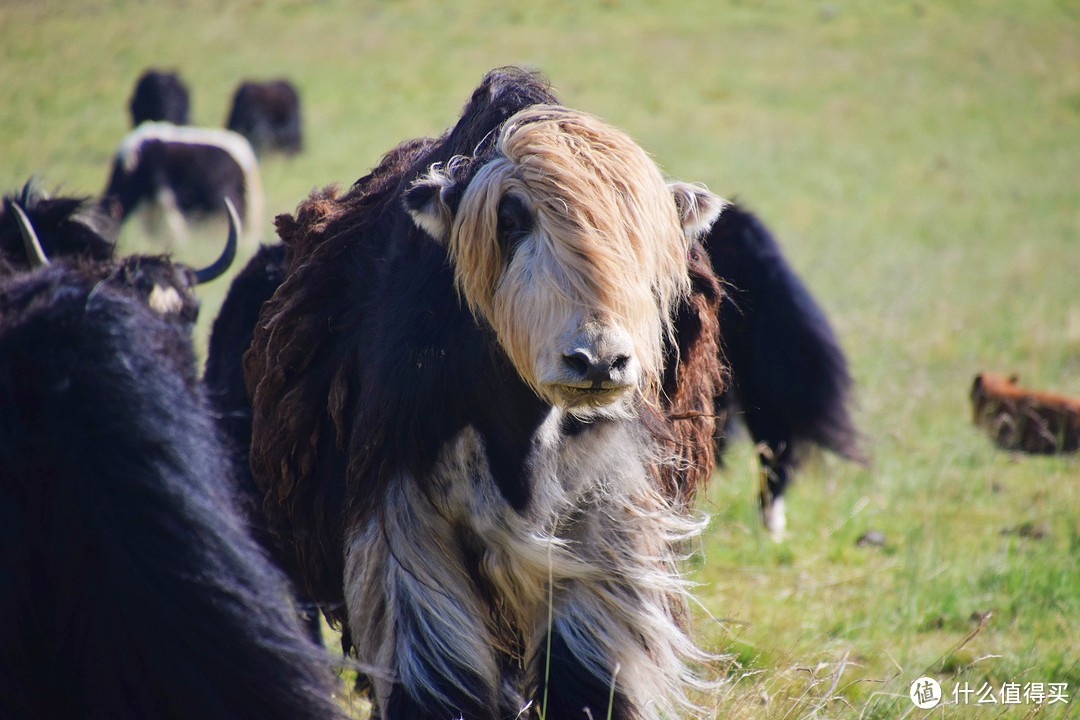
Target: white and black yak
[[129, 587], [468, 420], [173, 175]]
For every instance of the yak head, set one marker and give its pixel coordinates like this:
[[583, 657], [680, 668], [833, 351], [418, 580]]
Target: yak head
[[567, 241]]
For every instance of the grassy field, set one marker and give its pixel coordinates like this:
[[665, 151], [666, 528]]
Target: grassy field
[[920, 163]]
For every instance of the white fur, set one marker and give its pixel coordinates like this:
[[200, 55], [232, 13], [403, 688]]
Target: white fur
[[595, 528]]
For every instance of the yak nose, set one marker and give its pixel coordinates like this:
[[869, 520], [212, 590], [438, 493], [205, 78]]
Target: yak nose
[[593, 369]]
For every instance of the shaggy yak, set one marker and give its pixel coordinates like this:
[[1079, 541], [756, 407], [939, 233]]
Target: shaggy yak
[[72, 227], [788, 376], [128, 585], [475, 414], [223, 380]]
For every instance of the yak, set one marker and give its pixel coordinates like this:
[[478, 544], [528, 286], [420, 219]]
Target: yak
[[1024, 420], [128, 584], [65, 226], [223, 381], [174, 174], [788, 376], [467, 404], [268, 115], [75, 231], [159, 96]]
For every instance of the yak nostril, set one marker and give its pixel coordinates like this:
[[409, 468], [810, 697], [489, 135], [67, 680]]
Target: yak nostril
[[578, 362], [619, 363]]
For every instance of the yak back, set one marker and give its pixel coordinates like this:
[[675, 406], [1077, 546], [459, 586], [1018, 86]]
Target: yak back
[[359, 341], [120, 554], [789, 374]]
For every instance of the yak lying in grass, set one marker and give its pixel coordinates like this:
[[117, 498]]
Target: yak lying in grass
[[458, 419], [1025, 420], [128, 585]]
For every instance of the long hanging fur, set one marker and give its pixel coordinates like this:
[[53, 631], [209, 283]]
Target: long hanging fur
[[402, 450], [127, 583]]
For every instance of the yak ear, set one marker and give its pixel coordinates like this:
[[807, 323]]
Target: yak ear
[[698, 208], [432, 200]]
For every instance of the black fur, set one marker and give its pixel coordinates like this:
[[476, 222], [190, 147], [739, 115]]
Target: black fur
[[159, 96], [223, 380], [268, 115], [71, 227], [572, 693], [127, 583], [789, 379]]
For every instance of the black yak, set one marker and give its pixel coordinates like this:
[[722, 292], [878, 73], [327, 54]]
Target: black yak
[[74, 231], [66, 226], [159, 96], [128, 586], [789, 380], [268, 115], [458, 419], [223, 380]]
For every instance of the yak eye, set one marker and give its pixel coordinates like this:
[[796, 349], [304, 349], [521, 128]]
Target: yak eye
[[515, 221]]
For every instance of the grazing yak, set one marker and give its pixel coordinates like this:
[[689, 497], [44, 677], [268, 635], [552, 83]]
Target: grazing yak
[[1024, 420], [789, 381], [84, 239], [458, 421], [159, 96], [173, 173], [268, 115], [128, 585]]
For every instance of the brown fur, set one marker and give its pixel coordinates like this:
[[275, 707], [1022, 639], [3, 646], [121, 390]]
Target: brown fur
[[1025, 420], [691, 386]]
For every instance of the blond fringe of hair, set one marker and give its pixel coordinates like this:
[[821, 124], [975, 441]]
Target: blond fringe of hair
[[607, 237]]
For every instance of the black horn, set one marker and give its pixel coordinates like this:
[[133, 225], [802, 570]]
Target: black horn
[[222, 264], [34, 252]]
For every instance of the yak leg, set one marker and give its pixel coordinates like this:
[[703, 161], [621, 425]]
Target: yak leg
[[613, 649], [776, 465], [415, 612]]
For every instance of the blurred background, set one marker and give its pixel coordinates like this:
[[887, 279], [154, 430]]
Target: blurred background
[[919, 164]]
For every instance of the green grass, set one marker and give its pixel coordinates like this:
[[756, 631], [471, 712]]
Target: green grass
[[920, 162]]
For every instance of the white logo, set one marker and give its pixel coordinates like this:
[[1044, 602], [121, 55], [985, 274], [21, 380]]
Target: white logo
[[925, 693]]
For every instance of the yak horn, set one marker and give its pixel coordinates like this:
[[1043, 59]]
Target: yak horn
[[34, 252], [219, 266]]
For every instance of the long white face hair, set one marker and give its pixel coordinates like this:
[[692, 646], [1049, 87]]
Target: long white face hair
[[599, 248]]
